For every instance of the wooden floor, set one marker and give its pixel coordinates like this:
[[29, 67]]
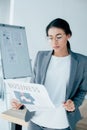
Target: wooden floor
[[82, 124]]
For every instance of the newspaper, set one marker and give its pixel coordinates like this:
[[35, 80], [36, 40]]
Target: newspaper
[[33, 96]]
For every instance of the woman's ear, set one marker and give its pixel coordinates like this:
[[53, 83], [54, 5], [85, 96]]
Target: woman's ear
[[68, 36]]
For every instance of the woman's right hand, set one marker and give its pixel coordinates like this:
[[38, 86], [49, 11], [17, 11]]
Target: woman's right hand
[[15, 104]]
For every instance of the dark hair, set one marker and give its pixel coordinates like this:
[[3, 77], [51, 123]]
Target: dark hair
[[60, 23]]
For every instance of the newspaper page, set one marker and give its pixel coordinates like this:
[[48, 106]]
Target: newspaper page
[[33, 96]]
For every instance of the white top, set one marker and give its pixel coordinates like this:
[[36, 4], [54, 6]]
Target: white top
[[57, 78]]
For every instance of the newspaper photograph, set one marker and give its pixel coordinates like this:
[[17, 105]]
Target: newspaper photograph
[[33, 96]]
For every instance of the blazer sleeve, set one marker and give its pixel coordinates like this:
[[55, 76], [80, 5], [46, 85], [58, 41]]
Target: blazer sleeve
[[82, 89]]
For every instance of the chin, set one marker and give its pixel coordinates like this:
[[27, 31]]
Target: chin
[[57, 49]]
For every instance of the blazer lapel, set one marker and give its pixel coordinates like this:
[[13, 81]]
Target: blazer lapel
[[74, 64], [45, 65]]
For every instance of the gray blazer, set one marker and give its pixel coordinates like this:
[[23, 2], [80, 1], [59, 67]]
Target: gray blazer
[[77, 86]]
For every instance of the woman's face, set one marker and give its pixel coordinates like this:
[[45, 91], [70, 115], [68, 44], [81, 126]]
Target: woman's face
[[58, 39]]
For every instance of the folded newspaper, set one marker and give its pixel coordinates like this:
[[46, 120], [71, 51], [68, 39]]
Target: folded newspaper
[[33, 96]]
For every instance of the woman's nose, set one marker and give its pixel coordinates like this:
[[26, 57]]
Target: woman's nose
[[55, 41]]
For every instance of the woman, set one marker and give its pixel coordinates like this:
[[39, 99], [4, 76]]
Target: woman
[[64, 74]]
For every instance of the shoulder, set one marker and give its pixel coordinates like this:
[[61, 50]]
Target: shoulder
[[79, 57], [44, 53], [82, 59]]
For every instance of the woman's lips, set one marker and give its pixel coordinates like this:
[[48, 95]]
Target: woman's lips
[[56, 47]]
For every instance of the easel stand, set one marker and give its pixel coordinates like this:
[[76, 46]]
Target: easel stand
[[16, 117], [16, 127]]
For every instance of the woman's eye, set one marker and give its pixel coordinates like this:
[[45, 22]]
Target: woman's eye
[[50, 38], [59, 37]]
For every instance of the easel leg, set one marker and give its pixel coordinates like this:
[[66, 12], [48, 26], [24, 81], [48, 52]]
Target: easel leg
[[16, 127]]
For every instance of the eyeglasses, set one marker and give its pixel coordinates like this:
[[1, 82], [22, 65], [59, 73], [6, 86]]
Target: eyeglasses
[[57, 38]]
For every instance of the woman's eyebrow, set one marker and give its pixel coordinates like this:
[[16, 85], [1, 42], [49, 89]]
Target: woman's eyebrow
[[55, 35], [58, 34]]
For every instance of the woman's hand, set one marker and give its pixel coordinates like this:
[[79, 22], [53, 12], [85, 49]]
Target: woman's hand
[[69, 105], [15, 104]]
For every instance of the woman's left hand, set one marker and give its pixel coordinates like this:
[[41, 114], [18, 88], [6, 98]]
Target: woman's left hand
[[69, 105], [16, 104]]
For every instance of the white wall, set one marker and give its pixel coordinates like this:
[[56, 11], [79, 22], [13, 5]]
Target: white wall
[[35, 15], [4, 11]]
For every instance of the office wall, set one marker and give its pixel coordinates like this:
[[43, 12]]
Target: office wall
[[35, 15], [4, 11]]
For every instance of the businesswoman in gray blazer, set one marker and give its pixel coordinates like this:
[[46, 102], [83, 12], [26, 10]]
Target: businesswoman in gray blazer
[[64, 74]]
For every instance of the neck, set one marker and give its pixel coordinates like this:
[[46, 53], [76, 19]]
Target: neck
[[61, 54]]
